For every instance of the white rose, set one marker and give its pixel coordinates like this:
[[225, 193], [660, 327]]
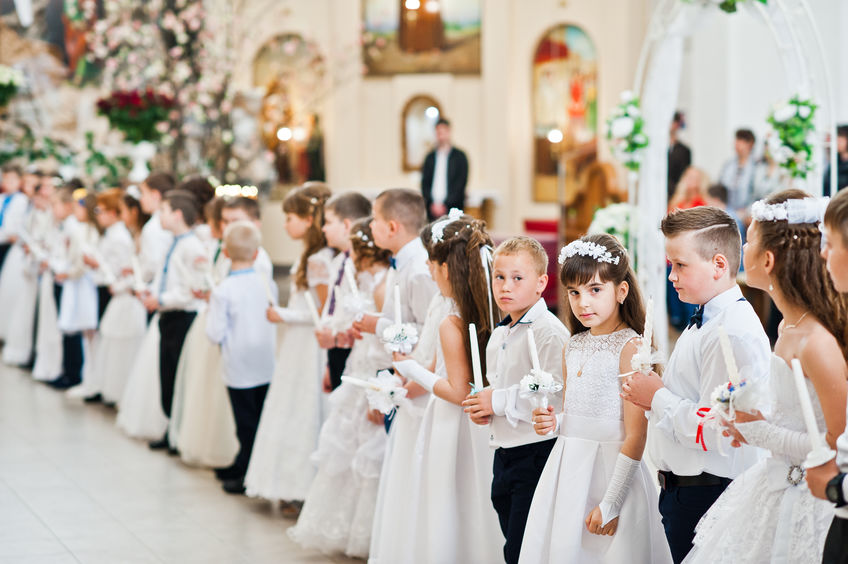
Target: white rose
[[627, 96], [804, 111], [784, 113], [633, 111], [622, 127], [640, 138]]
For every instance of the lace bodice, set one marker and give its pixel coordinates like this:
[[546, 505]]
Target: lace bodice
[[592, 364]]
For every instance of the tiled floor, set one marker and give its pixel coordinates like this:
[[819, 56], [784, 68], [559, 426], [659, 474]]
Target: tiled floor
[[73, 488]]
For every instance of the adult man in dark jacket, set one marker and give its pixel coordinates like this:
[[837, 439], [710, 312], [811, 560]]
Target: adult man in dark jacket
[[444, 174]]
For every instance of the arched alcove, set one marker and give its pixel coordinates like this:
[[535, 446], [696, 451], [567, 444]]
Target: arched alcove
[[418, 134]]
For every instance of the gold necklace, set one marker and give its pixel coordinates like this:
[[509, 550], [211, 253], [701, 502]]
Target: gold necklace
[[585, 362], [797, 323]]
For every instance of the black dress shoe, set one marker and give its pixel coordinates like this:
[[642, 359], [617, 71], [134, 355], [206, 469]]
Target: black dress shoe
[[62, 383], [96, 398], [159, 444], [233, 486], [228, 473], [172, 451]]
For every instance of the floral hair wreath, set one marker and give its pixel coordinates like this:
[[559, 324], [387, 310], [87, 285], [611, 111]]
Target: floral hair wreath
[[586, 249], [437, 232], [808, 210]]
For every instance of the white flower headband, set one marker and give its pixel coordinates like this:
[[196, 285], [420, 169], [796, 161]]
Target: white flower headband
[[364, 238], [437, 232], [808, 210], [586, 249]]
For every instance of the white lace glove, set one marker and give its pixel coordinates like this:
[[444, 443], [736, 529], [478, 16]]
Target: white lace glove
[[413, 371], [619, 485], [794, 444]]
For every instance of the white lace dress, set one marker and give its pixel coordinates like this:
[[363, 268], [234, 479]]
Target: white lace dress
[[581, 464], [338, 511], [762, 516], [280, 465]]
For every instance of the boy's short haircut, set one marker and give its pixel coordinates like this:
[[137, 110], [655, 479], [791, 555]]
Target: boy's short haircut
[[11, 169], [836, 216], [186, 203], [405, 206], [249, 205], [842, 131], [64, 194], [719, 192], [715, 232], [201, 188], [745, 135], [349, 205], [524, 244], [162, 182], [242, 240]]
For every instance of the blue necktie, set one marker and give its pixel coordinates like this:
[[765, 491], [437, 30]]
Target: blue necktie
[[697, 318], [164, 281], [6, 202], [393, 263]]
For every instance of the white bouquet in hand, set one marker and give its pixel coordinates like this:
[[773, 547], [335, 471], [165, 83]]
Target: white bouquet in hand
[[400, 337], [745, 395], [387, 392], [537, 385]]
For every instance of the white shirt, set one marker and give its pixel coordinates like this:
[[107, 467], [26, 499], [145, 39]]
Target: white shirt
[[115, 248], [739, 182], [439, 189], [236, 320], [508, 361], [695, 369], [416, 287], [184, 269], [13, 216], [155, 241]]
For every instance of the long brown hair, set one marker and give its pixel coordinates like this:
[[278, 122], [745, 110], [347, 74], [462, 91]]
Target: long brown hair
[[460, 248], [799, 270], [365, 251], [307, 201], [579, 269]]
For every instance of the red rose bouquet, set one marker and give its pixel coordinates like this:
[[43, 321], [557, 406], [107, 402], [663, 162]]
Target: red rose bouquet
[[136, 113]]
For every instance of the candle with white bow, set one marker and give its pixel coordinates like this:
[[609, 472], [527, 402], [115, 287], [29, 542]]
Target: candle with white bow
[[313, 311], [729, 359], [475, 358], [361, 383], [534, 353], [820, 452], [350, 275], [647, 334], [398, 319]]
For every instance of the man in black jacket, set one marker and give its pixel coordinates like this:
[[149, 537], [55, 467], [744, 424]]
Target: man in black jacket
[[444, 174]]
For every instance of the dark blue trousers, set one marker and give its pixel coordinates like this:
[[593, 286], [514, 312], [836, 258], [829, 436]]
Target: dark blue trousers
[[836, 545], [247, 407], [681, 509], [516, 472], [72, 351]]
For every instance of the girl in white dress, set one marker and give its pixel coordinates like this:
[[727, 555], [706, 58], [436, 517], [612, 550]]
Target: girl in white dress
[[454, 520], [280, 467], [768, 514], [596, 499], [338, 511]]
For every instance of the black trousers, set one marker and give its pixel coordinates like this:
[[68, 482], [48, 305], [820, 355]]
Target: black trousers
[[4, 250], [336, 360], [173, 326], [247, 407], [516, 473], [836, 545], [72, 351], [103, 297], [681, 509]]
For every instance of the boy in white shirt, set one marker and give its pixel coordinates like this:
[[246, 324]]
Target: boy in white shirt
[[518, 280], [155, 239], [704, 247], [185, 270], [236, 320]]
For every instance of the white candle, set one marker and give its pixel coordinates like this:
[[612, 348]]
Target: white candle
[[313, 311], [268, 293], [398, 318], [361, 383], [729, 359], [534, 354], [648, 333], [104, 268], [475, 357], [350, 275], [816, 440], [136, 268]]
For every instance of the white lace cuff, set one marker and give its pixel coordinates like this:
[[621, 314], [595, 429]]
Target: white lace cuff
[[793, 444], [619, 485]]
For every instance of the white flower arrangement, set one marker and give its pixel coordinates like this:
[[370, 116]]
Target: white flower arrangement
[[438, 230], [387, 392], [537, 385], [613, 219], [794, 128], [624, 131], [586, 249], [728, 398], [400, 337], [11, 80]]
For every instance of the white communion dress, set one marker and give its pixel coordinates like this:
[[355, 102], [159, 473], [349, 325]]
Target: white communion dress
[[581, 464], [767, 514], [140, 412]]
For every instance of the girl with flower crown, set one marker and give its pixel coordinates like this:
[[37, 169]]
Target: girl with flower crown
[[594, 479], [768, 514], [280, 467], [453, 520], [339, 509]]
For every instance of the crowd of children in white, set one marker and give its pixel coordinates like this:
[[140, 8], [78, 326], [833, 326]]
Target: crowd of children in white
[[415, 400]]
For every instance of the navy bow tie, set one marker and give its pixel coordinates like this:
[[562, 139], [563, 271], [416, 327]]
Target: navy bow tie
[[393, 262], [697, 318]]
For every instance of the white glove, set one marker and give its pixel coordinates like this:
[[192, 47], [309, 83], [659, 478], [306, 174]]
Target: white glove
[[293, 316], [794, 444], [619, 485], [411, 370]]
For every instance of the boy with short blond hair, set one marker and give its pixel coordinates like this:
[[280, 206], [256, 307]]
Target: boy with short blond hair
[[703, 246], [518, 280]]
